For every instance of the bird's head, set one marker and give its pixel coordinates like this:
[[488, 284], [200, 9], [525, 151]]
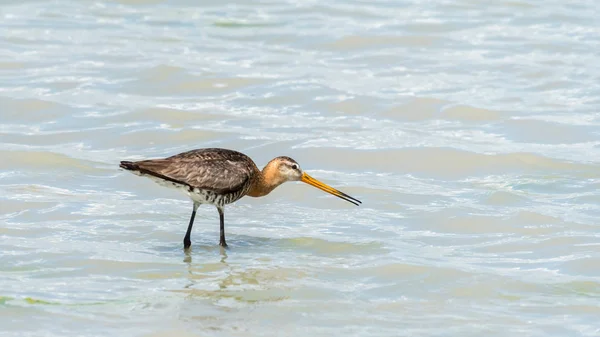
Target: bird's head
[[282, 169], [287, 168]]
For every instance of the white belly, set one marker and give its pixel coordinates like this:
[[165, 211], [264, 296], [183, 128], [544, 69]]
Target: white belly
[[196, 194]]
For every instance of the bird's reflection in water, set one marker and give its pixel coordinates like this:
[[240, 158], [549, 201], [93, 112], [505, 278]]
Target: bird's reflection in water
[[226, 283], [188, 256], [202, 270]]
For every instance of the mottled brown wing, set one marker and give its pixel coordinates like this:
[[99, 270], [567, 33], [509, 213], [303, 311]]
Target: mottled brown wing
[[220, 170]]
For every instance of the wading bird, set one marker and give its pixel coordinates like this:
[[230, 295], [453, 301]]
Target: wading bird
[[219, 177]]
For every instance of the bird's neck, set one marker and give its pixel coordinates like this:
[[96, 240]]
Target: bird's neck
[[266, 181]]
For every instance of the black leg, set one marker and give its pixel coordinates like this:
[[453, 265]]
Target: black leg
[[187, 242], [222, 242]]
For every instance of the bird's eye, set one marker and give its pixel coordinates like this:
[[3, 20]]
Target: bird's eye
[[295, 167]]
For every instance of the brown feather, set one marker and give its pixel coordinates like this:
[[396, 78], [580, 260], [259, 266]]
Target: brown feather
[[220, 170]]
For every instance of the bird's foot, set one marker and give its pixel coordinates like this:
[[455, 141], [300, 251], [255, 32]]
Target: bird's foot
[[223, 244], [187, 244]]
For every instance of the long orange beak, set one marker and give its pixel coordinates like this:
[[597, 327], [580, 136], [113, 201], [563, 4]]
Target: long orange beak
[[324, 187]]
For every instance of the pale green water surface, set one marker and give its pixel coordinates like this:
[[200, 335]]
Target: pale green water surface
[[469, 129]]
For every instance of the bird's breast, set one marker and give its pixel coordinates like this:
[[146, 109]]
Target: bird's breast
[[203, 196]]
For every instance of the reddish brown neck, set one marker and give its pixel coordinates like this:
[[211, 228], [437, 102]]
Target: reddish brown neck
[[266, 181]]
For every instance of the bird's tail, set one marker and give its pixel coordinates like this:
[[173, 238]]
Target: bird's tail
[[130, 166]]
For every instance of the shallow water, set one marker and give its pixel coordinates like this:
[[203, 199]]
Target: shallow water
[[469, 130]]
